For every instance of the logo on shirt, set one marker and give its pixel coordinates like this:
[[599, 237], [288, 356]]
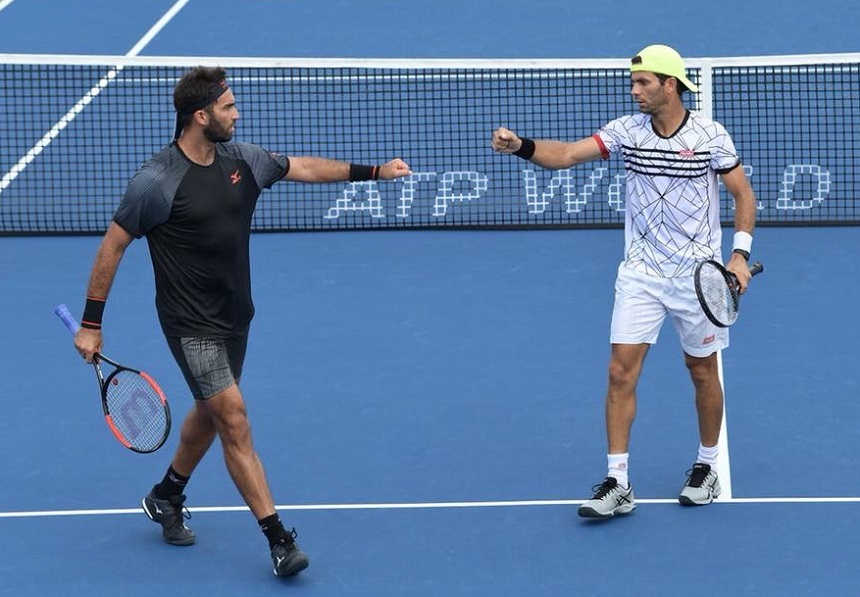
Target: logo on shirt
[[687, 153], [236, 177]]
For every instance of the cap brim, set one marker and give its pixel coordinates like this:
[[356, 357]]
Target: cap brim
[[688, 84]]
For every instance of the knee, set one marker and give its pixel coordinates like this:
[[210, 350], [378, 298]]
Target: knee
[[234, 427], [702, 370], [620, 374]]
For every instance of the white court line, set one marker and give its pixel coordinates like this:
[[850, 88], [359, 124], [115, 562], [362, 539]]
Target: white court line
[[724, 469], [88, 97], [429, 506], [5, 3]]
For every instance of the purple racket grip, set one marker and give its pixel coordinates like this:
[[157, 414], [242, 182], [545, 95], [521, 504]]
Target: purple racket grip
[[62, 312]]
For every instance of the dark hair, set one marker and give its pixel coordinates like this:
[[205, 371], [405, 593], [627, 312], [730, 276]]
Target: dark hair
[[681, 87], [197, 88]]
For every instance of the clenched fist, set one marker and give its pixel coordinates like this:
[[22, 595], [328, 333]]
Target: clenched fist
[[505, 141]]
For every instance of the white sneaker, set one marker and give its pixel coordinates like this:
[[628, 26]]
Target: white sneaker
[[608, 500], [702, 486]]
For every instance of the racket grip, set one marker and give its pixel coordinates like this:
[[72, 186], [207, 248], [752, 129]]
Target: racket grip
[[67, 318], [756, 268]]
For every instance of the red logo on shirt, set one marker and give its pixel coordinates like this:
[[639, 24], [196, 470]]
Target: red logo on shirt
[[687, 153], [235, 177]]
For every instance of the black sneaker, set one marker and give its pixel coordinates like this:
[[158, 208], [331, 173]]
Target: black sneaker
[[170, 514], [287, 558]]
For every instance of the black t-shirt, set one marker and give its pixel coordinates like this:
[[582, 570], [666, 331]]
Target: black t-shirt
[[197, 221]]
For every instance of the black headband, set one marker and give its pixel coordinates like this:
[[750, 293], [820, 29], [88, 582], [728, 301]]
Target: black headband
[[216, 91]]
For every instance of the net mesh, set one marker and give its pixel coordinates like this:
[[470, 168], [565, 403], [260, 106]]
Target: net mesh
[[797, 128], [74, 134]]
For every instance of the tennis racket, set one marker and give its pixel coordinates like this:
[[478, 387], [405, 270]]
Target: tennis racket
[[718, 290], [135, 408]]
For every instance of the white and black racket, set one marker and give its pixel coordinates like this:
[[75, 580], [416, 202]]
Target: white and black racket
[[135, 408], [718, 290]]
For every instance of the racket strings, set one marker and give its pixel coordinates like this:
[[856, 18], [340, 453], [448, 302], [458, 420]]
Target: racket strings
[[720, 294], [136, 410]]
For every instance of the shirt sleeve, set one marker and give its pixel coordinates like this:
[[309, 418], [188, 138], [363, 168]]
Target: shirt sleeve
[[268, 167], [724, 156], [147, 200], [612, 136]]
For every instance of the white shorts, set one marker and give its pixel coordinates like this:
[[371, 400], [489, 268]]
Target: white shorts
[[642, 303]]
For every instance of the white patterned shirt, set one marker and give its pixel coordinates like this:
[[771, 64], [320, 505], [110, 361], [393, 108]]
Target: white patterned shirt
[[672, 212]]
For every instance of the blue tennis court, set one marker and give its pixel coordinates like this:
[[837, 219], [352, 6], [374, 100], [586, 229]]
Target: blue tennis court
[[429, 404]]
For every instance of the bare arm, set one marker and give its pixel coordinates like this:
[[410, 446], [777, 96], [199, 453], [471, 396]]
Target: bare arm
[[554, 155], [111, 250], [738, 185], [313, 169]]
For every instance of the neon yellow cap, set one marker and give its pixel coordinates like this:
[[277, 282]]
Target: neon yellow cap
[[662, 60]]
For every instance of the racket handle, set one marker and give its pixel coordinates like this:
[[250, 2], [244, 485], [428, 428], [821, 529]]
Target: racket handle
[[67, 318], [756, 268]]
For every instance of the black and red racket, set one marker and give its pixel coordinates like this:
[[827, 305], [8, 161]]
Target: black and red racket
[[135, 408]]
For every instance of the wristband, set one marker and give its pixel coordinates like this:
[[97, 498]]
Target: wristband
[[743, 242], [742, 253], [526, 150], [93, 311], [357, 172]]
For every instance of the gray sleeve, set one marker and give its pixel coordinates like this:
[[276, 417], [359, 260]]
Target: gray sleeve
[[148, 198], [268, 167]]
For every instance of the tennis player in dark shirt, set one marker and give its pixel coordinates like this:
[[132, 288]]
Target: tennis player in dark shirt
[[194, 201]]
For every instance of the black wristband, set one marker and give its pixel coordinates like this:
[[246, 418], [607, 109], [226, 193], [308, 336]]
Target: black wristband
[[358, 172], [93, 311], [742, 253], [526, 150]]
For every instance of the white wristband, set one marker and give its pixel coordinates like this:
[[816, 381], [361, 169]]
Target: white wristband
[[742, 241]]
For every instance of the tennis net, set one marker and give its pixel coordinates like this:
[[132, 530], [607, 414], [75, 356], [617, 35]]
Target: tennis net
[[75, 128]]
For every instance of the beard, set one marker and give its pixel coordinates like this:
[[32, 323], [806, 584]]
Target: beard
[[215, 132]]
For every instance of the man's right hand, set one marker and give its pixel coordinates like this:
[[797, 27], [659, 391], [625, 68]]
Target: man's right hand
[[88, 342], [505, 141]]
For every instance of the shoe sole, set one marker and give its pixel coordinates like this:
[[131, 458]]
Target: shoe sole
[[295, 568], [687, 501], [592, 513]]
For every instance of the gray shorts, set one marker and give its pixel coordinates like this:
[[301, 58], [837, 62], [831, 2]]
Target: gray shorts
[[210, 365]]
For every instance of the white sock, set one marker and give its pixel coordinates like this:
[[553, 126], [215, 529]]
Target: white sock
[[708, 455], [618, 468]]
